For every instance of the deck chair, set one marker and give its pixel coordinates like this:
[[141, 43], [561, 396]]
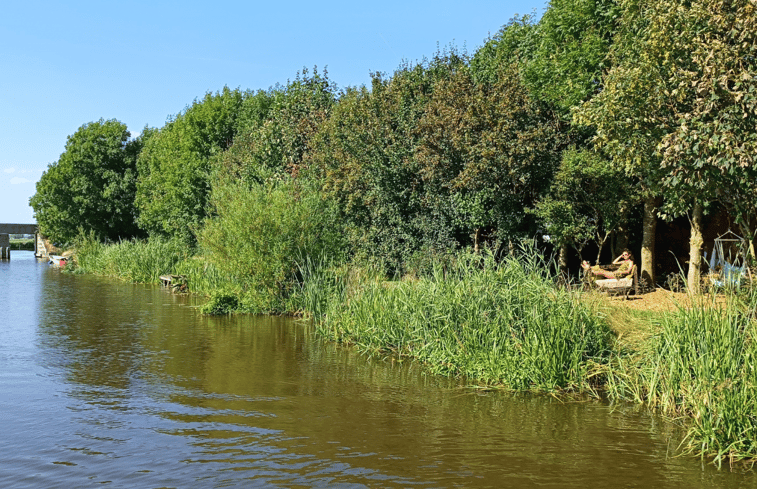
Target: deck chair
[[616, 286]]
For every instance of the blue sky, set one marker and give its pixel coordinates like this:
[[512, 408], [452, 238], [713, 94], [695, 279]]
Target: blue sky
[[63, 64]]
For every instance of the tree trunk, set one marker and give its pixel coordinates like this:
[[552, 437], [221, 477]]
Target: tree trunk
[[695, 249], [476, 236], [648, 240]]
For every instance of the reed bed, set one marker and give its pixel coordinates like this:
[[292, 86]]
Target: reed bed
[[699, 367], [134, 261], [502, 324]]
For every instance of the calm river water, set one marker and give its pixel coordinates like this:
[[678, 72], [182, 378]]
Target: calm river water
[[110, 384]]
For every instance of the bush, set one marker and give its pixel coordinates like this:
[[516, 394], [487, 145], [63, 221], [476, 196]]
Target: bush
[[220, 303], [261, 232]]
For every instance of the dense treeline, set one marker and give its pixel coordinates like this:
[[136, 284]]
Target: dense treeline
[[562, 126]]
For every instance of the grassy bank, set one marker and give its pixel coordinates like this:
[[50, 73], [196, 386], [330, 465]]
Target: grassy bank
[[494, 323], [698, 366], [506, 324], [22, 244], [133, 261]]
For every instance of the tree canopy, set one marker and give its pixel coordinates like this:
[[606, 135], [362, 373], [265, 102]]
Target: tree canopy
[[91, 186]]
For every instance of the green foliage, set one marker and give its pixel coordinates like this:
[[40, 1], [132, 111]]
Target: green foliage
[[91, 186], [367, 154], [490, 148], [515, 43], [260, 232], [709, 151], [588, 200], [281, 139], [572, 42], [174, 166], [220, 303], [141, 261], [504, 324]]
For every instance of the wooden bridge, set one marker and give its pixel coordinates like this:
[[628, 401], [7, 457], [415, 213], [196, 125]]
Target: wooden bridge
[[7, 229]]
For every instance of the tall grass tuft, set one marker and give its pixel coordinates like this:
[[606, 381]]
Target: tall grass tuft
[[495, 323], [701, 366], [134, 261]]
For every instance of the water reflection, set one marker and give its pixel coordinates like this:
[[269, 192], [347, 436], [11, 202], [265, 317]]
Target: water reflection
[[130, 386]]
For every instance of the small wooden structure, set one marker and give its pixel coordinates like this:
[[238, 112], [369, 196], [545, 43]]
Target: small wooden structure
[[177, 283], [623, 285]]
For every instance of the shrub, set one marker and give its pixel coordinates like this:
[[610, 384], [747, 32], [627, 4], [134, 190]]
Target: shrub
[[260, 232]]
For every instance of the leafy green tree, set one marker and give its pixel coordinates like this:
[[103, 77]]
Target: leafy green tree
[[174, 166], [628, 116], [569, 53], [367, 155], [491, 148], [560, 60], [515, 43], [709, 151], [281, 139], [588, 201], [676, 108], [92, 185]]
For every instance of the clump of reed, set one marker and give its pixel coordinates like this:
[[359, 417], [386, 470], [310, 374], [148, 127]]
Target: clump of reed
[[499, 323], [700, 367], [134, 260]]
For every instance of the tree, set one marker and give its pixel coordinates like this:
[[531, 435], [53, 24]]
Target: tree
[[174, 166], [281, 139], [91, 186], [677, 109], [588, 200], [628, 116], [491, 148], [367, 155], [710, 151]]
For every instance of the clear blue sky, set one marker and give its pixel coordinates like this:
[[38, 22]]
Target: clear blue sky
[[63, 64]]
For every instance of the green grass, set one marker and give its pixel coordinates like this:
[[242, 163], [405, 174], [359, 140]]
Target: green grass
[[22, 244], [133, 261], [699, 367], [503, 324]]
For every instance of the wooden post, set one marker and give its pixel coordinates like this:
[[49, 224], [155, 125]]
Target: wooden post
[[5, 247]]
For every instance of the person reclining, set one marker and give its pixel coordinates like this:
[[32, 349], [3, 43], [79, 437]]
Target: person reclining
[[625, 262]]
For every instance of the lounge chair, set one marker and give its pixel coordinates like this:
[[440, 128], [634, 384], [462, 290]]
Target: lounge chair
[[625, 285]]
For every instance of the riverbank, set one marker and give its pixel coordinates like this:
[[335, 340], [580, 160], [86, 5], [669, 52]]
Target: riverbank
[[505, 324], [693, 359]]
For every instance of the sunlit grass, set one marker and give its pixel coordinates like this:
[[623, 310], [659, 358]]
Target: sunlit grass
[[699, 366], [133, 261], [495, 323]]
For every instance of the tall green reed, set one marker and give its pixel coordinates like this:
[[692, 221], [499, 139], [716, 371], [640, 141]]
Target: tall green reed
[[134, 261], [700, 367], [496, 323]]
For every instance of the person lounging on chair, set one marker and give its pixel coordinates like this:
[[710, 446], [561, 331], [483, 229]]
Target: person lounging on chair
[[625, 262]]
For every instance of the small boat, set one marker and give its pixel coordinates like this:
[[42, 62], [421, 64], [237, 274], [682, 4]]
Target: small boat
[[58, 261]]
